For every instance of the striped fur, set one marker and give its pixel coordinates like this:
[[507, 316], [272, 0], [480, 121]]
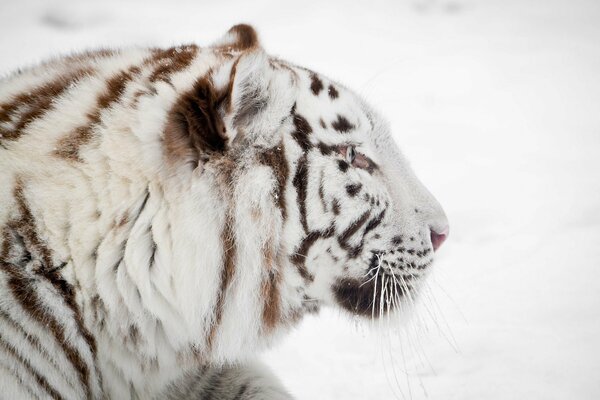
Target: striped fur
[[165, 214]]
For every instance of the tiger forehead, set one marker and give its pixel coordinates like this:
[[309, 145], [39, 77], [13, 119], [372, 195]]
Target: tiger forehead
[[331, 107]]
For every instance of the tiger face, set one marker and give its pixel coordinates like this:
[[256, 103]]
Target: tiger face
[[349, 223], [366, 228]]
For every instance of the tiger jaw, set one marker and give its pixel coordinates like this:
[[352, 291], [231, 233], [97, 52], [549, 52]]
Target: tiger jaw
[[379, 282], [391, 282]]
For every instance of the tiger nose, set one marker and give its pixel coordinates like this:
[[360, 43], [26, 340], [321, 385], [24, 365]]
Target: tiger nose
[[438, 236]]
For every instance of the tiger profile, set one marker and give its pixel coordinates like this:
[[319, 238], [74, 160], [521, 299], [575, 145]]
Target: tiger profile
[[166, 214]]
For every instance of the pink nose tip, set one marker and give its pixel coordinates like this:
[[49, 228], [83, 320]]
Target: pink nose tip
[[437, 238]]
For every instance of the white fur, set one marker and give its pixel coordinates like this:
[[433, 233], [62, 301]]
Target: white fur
[[124, 177]]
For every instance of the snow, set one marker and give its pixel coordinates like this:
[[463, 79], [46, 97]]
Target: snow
[[497, 104]]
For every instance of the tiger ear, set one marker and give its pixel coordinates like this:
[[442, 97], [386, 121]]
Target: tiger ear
[[238, 38], [259, 97], [240, 98], [194, 129]]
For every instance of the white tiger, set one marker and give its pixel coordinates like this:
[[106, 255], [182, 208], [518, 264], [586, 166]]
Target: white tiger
[[165, 214]]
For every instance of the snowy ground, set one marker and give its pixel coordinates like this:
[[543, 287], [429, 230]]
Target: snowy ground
[[497, 103]]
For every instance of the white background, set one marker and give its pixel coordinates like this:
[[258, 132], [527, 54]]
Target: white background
[[497, 104]]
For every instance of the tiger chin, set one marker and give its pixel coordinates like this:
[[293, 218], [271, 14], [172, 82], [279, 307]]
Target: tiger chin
[[165, 214]]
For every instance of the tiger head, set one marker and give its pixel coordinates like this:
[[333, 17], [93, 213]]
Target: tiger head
[[320, 195]]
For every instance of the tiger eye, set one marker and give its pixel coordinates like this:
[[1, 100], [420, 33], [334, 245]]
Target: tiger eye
[[350, 154]]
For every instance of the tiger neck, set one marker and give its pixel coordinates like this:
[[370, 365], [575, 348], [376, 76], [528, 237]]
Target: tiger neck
[[191, 265]]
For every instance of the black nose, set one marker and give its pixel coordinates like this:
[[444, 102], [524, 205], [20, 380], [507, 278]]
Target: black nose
[[437, 238]]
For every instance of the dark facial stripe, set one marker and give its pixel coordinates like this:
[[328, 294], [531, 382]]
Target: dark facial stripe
[[41, 381], [342, 125], [353, 189], [343, 165], [36, 102], [333, 93], [227, 271], [275, 159], [352, 229], [68, 147], [300, 182], [374, 223], [335, 206], [322, 192], [315, 84], [299, 257], [325, 149], [170, 61], [302, 131]]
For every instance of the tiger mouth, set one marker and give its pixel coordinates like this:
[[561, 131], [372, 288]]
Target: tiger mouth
[[373, 296], [389, 284]]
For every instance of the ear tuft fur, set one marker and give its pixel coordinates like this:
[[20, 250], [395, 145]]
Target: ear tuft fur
[[240, 37], [194, 128]]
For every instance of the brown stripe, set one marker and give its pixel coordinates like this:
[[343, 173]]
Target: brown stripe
[[270, 290], [33, 340], [19, 379], [26, 224], [170, 61], [25, 293], [194, 128], [38, 378], [25, 227], [227, 271], [69, 146], [24, 290], [33, 104], [275, 158], [91, 55]]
